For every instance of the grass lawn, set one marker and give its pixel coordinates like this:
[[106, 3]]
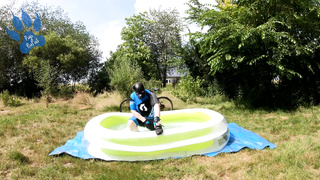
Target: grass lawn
[[28, 133]]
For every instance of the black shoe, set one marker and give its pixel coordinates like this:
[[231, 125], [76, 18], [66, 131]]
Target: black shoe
[[159, 129]]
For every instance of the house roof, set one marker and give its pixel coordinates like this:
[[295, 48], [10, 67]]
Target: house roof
[[173, 72]]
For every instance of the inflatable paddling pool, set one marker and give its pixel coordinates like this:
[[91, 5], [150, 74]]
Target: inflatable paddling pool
[[186, 132]]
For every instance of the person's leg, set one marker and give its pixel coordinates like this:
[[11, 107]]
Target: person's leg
[[133, 124]]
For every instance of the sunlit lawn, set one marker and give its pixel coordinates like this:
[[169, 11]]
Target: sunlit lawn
[[30, 132]]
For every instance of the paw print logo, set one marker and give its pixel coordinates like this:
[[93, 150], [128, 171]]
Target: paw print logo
[[30, 40]]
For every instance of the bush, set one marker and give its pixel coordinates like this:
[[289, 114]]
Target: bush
[[9, 100], [124, 75], [152, 83], [14, 101], [188, 88], [99, 81], [82, 88], [66, 91], [5, 97]]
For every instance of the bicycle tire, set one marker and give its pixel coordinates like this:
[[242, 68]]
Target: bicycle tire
[[125, 103], [165, 103]]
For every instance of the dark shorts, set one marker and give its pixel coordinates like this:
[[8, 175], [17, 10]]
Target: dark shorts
[[149, 124]]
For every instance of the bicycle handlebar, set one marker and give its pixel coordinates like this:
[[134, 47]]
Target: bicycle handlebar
[[154, 89]]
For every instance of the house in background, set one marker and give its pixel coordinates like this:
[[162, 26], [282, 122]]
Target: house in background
[[173, 75]]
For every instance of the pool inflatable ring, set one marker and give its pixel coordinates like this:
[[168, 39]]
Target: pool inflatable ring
[[186, 132]]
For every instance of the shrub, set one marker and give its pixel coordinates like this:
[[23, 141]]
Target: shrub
[[9, 100], [5, 97], [124, 75], [152, 83], [14, 101], [188, 88], [66, 91]]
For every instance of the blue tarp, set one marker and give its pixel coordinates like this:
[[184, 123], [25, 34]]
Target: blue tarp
[[239, 138]]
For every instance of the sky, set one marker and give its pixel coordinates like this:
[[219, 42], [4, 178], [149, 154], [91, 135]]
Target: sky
[[105, 18]]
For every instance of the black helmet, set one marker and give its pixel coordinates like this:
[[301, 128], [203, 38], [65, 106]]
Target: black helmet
[[138, 87]]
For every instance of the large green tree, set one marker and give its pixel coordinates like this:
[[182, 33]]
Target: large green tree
[[149, 40], [134, 47], [13, 76], [70, 50], [71, 60], [163, 35], [250, 42]]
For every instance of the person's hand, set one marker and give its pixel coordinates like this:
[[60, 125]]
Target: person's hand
[[156, 119], [145, 120]]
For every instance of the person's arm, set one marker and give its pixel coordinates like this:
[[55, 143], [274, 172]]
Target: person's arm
[[156, 109], [134, 112], [156, 104], [138, 115]]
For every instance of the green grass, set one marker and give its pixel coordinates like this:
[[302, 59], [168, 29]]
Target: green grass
[[28, 133]]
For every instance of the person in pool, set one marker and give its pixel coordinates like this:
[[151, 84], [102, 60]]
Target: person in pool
[[145, 108]]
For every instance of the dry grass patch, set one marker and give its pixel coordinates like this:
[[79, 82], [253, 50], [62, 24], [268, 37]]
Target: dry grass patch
[[107, 99], [177, 103], [82, 101], [284, 118], [270, 116]]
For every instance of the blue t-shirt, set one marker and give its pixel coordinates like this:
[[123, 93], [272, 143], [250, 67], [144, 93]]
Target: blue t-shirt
[[145, 105]]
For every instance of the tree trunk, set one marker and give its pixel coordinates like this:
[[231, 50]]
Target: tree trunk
[[164, 76]]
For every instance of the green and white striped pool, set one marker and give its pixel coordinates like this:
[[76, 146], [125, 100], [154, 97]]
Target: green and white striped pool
[[186, 132]]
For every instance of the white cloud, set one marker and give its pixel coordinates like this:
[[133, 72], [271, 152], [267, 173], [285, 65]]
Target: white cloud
[[16, 5], [4, 2], [109, 36]]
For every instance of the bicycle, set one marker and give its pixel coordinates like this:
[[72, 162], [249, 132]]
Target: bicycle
[[165, 103]]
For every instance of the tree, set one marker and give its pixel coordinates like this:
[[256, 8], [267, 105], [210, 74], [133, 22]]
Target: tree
[[134, 47], [99, 79], [48, 79], [163, 35], [149, 39], [250, 42], [70, 50], [13, 76], [124, 74], [192, 62], [71, 59]]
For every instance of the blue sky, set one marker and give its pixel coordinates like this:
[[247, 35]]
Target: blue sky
[[105, 18]]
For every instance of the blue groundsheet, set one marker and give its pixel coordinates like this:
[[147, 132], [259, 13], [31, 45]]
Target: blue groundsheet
[[239, 138]]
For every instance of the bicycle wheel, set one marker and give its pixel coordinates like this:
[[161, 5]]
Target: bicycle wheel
[[165, 103], [125, 105]]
